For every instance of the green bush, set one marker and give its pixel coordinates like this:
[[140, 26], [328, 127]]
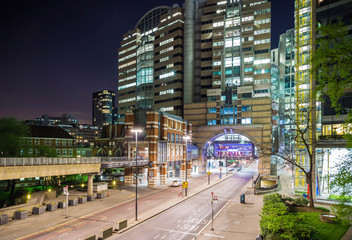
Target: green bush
[[301, 201], [277, 222]]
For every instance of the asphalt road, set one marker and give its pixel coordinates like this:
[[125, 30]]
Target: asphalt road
[[187, 219], [90, 225]]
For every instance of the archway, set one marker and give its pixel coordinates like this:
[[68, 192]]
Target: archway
[[229, 150], [256, 134]]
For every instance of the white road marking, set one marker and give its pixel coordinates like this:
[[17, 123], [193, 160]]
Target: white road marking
[[179, 221], [156, 236], [211, 235], [163, 237], [170, 231], [63, 234]]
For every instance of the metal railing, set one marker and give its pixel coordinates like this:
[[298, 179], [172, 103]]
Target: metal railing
[[123, 159], [110, 162], [7, 162]]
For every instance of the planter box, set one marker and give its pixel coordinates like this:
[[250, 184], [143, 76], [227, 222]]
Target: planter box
[[327, 218], [100, 195], [72, 202], [91, 197], [4, 219], [21, 214], [38, 210], [51, 206], [82, 199], [61, 204]]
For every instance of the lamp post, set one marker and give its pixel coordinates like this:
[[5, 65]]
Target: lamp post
[[186, 189], [136, 131]]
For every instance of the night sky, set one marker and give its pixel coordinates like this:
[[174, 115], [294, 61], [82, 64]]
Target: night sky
[[55, 53]]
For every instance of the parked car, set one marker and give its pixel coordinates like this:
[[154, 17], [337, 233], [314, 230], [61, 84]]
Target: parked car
[[176, 183]]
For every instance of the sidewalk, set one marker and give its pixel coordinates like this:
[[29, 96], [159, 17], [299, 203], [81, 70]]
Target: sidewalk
[[20, 228], [236, 220]]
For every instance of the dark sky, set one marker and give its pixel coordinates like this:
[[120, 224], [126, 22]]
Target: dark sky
[[55, 53]]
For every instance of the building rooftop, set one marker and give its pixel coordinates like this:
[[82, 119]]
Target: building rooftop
[[49, 132]]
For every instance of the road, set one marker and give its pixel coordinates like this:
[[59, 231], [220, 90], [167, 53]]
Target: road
[[93, 223], [184, 220], [187, 219]]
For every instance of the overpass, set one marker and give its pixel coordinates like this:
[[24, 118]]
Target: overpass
[[16, 168]]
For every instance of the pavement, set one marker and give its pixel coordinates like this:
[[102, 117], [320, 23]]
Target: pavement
[[233, 221], [241, 221]]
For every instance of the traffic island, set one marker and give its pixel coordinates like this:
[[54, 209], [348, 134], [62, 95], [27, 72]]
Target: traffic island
[[51, 206], [38, 210], [21, 214]]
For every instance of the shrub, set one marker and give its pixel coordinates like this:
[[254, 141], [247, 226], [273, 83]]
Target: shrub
[[301, 201], [277, 222], [323, 209]]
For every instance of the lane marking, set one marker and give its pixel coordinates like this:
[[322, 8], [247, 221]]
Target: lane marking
[[171, 231], [212, 235], [163, 237], [156, 236], [63, 234]]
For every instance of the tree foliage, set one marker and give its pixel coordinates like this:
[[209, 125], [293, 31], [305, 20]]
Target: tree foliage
[[332, 61], [11, 131], [331, 64]]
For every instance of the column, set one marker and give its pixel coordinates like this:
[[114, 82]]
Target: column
[[183, 170], [189, 169], [163, 174], [90, 184], [128, 176], [152, 174]]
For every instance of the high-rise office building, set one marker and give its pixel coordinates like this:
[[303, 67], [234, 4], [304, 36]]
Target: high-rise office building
[[104, 111], [151, 63], [209, 63]]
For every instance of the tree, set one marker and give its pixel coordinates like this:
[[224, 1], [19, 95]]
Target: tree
[[11, 131], [300, 136], [341, 182], [331, 63]]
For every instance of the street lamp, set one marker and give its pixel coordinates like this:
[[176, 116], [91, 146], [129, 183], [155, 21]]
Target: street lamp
[[136, 131], [186, 189]]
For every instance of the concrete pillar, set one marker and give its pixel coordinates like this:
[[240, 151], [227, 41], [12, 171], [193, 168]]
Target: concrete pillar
[[183, 170], [90, 184], [163, 174], [128, 176], [152, 174], [189, 169]]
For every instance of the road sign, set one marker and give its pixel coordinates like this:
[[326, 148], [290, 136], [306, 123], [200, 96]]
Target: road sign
[[209, 173], [184, 184], [65, 190]]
